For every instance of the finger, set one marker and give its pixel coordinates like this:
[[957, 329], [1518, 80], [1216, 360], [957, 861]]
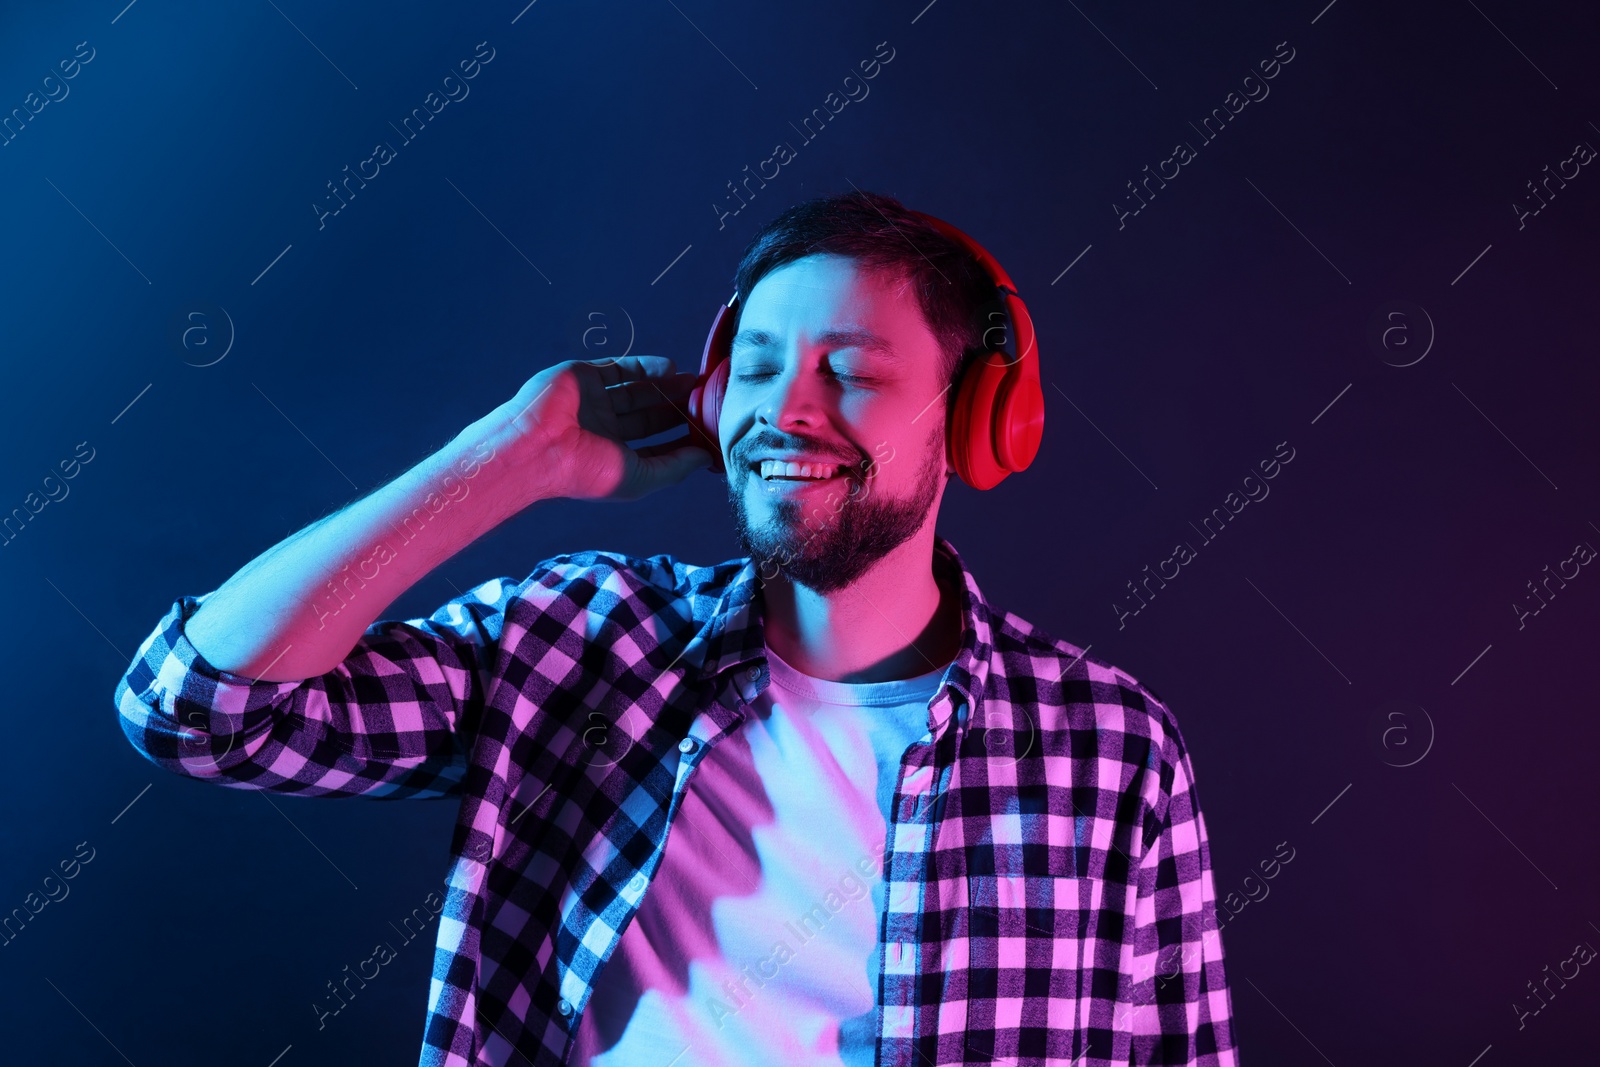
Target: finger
[[653, 366], [632, 368], [605, 369], [673, 463], [636, 424], [678, 381], [658, 466], [615, 369], [651, 392]]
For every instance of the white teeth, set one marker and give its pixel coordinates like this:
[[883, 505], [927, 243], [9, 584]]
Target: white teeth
[[772, 468]]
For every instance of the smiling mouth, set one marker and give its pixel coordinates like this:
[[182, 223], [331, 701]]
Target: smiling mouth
[[776, 471]]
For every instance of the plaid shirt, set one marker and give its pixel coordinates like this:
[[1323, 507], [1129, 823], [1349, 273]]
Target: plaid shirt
[[1049, 888]]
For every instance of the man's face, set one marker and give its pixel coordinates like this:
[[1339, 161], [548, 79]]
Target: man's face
[[837, 367]]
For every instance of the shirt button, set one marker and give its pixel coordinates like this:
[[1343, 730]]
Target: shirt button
[[564, 1008], [687, 745]]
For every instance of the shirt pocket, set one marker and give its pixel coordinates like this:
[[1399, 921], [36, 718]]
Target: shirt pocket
[[1012, 983]]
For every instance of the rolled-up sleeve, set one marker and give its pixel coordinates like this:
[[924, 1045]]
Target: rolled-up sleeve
[[385, 723], [1177, 1001]]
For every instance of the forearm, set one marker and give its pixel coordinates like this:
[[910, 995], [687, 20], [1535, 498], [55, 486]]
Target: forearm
[[297, 610]]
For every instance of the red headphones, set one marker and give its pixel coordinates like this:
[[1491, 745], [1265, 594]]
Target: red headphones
[[998, 416]]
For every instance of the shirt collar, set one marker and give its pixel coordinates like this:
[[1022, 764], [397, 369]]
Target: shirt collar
[[734, 635]]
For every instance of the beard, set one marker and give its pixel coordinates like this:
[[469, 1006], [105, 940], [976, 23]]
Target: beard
[[826, 546]]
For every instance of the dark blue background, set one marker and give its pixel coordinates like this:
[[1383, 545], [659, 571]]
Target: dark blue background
[[1190, 342]]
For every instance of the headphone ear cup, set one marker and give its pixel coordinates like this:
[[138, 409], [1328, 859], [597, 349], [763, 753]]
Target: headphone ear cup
[[705, 412], [972, 423], [705, 399], [1019, 425]]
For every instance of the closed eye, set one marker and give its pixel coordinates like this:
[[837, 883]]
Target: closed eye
[[762, 375], [758, 376]]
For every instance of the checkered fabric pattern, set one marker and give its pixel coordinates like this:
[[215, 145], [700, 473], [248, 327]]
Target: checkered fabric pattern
[[1049, 889]]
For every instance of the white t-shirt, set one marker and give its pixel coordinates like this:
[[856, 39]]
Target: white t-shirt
[[756, 941]]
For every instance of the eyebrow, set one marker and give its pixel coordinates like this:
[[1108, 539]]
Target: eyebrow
[[845, 337]]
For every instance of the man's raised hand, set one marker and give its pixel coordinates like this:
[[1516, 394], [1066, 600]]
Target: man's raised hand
[[571, 422]]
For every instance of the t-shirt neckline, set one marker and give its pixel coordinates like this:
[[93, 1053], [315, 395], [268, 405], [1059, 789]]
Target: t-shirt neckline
[[852, 694]]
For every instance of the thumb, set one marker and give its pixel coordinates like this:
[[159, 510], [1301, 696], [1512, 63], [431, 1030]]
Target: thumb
[[673, 462], [688, 459]]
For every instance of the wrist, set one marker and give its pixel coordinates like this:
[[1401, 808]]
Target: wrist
[[507, 466]]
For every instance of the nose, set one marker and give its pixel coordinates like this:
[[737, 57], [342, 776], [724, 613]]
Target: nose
[[792, 400]]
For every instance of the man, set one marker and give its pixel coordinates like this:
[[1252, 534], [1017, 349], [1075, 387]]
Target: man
[[819, 805]]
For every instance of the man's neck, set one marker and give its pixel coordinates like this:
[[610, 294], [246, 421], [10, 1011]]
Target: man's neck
[[896, 621]]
